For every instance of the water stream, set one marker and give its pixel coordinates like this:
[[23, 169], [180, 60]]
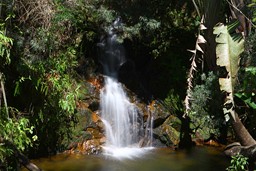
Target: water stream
[[123, 125], [120, 118]]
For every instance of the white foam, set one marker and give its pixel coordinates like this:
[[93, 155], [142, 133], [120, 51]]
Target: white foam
[[125, 152]]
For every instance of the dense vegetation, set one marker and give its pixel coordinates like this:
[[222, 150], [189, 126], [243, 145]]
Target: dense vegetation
[[48, 48]]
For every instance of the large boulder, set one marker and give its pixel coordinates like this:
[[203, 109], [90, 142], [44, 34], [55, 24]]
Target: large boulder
[[166, 126]]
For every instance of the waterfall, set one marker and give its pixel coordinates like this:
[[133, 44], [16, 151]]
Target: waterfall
[[119, 115]]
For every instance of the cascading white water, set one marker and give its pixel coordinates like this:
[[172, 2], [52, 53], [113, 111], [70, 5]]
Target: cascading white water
[[118, 114], [120, 119]]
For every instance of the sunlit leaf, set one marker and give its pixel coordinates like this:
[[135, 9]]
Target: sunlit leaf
[[229, 46]]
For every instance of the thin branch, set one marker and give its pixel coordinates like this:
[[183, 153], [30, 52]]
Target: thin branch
[[249, 20], [197, 9], [4, 95]]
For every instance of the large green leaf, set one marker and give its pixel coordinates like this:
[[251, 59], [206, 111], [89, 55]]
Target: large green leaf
[[229, 46]]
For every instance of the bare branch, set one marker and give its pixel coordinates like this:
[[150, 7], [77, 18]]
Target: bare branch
[[234, 6], [37, 13], [4, 95]]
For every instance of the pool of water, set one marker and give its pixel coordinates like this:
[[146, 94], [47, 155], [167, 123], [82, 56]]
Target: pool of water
[[158, 159]]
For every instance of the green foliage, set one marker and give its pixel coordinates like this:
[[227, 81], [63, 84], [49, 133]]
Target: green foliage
[[205, 110], [56, 91], [5, 45], [16, 132], [173, 102], [247, 91], [144, 25], [46, 67], [238, 163], [252, 7], [175, 22]]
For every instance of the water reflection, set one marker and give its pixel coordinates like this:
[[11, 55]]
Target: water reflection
[[164, 159]]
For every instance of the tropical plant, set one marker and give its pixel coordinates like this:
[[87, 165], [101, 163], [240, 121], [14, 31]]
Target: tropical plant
[[228, 50], [238, 163], [247, 92], [229, 47], [246, 88], [218, 44], [252, 5], [5, 45], [205, 113], [15, 130], [15, 135]]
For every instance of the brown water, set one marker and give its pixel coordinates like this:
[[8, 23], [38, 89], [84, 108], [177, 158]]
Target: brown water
[[161, 159]]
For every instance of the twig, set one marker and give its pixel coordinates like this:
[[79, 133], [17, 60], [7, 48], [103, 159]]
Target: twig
[[249, 20], [4, 95]]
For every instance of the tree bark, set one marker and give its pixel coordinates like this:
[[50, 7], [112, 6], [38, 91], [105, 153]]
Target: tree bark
[[246, 145], [242, 134], [185, 133], [26, 163]]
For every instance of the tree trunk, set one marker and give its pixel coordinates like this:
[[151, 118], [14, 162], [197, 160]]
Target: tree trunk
[[246, 145], [242, 134], [185, 133]]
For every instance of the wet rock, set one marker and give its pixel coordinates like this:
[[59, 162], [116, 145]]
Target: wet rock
[[94, 105], [87, 147], [166, 126], [95, 133], [211, 141], [160, 112], [95, 117], [168, 132], [88, 134]]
